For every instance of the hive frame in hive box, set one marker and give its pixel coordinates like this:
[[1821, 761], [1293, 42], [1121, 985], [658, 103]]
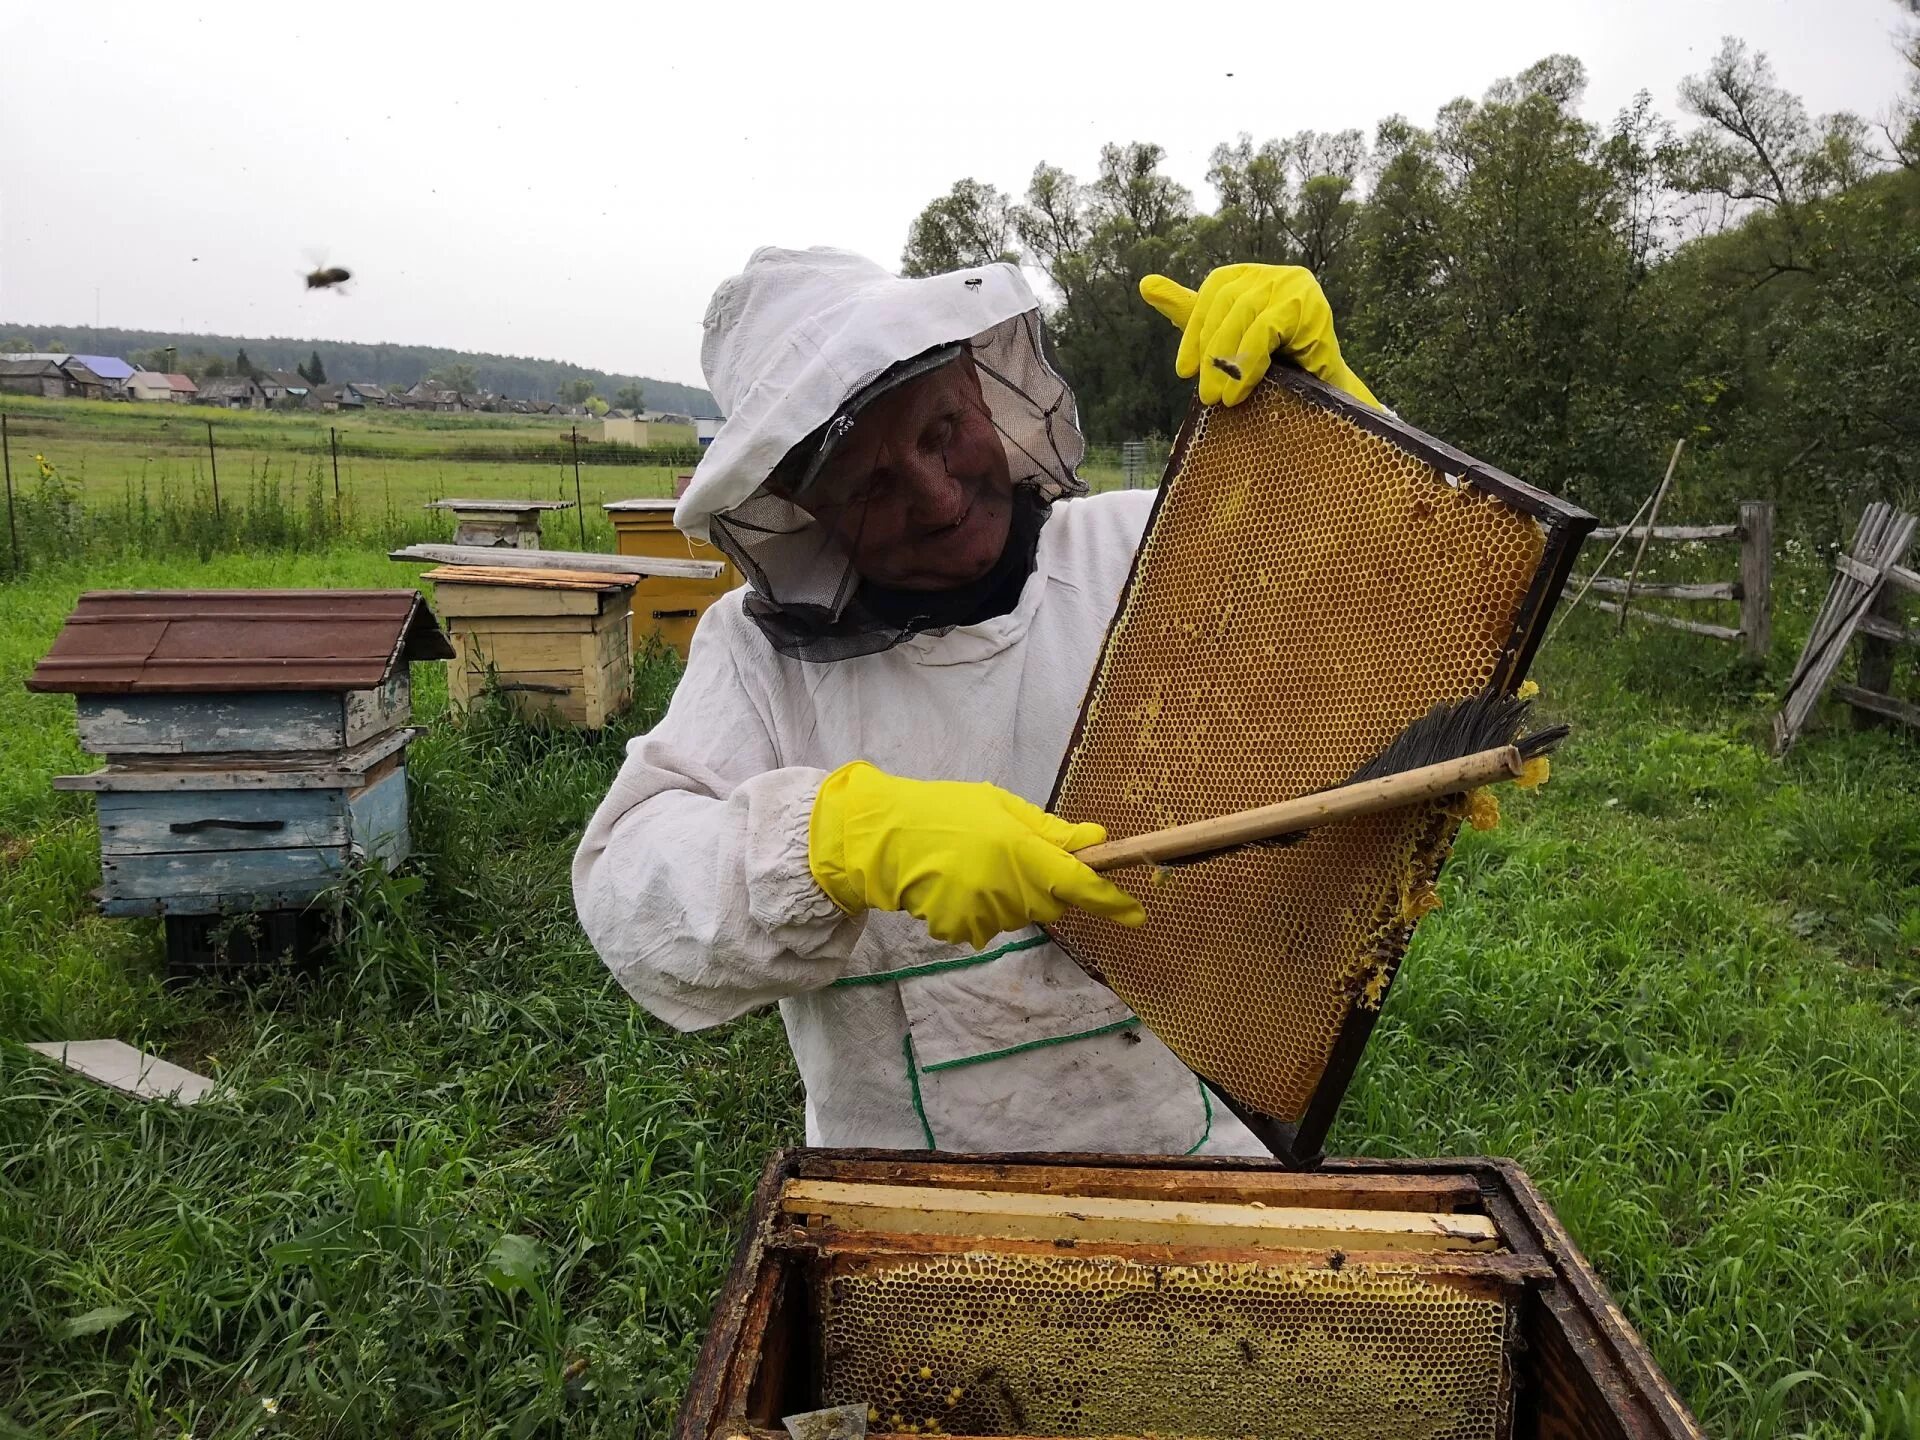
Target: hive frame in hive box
[[1298, 1139], [1580, 1369]]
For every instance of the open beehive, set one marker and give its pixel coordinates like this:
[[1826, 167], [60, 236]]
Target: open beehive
[[1090, 1296], [1316, 575]]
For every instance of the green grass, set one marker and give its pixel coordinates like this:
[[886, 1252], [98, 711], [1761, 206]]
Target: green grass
[[464, 1187], [122, 462]]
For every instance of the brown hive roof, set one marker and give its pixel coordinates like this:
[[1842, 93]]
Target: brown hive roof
[[156, 641]]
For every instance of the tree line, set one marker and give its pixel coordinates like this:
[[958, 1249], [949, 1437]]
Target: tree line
[[394, 366], [1562, 298]]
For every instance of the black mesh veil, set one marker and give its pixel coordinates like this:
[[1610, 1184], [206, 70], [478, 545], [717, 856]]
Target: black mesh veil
[[805, 595]]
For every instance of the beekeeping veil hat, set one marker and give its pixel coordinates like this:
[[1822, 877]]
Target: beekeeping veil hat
[[795, 345]]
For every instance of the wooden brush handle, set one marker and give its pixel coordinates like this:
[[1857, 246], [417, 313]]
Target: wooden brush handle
[[1369, 797]]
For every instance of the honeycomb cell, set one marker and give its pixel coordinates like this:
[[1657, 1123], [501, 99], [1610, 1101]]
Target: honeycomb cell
[[1307, 588], [990, 1344]]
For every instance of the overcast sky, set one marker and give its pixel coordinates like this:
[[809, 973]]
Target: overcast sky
[[571, 182]]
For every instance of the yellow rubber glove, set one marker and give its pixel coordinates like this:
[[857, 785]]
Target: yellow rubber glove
[[968, 858], [1242, 314]]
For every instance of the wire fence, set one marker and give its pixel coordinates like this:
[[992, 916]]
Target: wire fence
[[92, 480]]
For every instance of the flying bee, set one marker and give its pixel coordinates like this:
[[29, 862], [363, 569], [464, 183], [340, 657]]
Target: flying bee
[[327, 277]]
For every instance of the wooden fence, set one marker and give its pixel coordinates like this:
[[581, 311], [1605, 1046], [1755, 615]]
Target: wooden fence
[[1881, 631], [1868, 581], [1753, 590]]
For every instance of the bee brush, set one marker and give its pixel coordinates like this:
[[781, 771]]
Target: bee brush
[[1450, 750]]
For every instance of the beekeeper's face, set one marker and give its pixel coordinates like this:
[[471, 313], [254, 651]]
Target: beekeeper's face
[[919, 491]]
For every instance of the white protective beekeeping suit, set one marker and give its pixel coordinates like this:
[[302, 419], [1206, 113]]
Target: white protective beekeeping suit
[[692, 879]]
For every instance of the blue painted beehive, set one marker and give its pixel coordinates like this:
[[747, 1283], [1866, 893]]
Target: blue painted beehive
[[256, 739]]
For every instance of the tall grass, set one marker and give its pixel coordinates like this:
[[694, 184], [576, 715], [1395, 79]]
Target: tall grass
[[262, 508]]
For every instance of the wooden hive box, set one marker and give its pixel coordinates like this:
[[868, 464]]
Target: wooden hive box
[[666, 605], [505, 524], [554, 642], [1092, 1295], [256, 738]]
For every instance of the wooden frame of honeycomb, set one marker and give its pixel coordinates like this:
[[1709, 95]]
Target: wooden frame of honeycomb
[[1035, 1295], [1315, 576]]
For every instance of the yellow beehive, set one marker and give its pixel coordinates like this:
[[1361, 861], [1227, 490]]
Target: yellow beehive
[[665, 605], [554, 642]]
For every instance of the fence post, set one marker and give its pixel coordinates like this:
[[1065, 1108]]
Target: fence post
[[213, 468], [333, 444], [1653, 519], [1756, 578], [6, 459], [578, 508]]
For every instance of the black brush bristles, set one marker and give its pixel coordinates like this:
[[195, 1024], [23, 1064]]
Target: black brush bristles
[[1449, 731], [1462, 727], [1540, 741]]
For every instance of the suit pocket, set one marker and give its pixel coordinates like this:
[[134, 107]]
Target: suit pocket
[[1023, 1050]]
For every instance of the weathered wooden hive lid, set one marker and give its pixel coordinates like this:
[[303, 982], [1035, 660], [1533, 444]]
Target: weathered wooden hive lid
[[201, 641], [460, 504], [517, 577]]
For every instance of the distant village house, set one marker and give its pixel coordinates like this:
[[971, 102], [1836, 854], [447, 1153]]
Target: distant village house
[[232, 392], [35, 375], [111, 371], [150, 386], [649, 427], [427, 396], [284, 387], [88, 383]]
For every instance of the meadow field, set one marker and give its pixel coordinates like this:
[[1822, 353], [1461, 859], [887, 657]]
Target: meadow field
[[114, 479], [124, 462], [460, 1186]]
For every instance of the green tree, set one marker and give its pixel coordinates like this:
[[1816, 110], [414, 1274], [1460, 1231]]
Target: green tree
[[457, 375], [313, 371], [1565, 298], [596, 406], [631, 396], [243, 366], [971, 224], [1096, 241], [575, 391]]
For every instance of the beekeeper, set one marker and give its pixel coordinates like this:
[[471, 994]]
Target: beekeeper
[[840, 810]]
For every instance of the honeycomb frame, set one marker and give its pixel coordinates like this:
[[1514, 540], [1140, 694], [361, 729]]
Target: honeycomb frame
[[992, 1343], [1389, 571]]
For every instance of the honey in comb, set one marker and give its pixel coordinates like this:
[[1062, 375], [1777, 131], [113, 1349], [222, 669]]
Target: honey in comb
[[999, 1344], [1308, 586]]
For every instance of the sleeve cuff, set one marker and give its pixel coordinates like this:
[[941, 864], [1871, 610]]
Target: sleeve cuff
[[782, 893]]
